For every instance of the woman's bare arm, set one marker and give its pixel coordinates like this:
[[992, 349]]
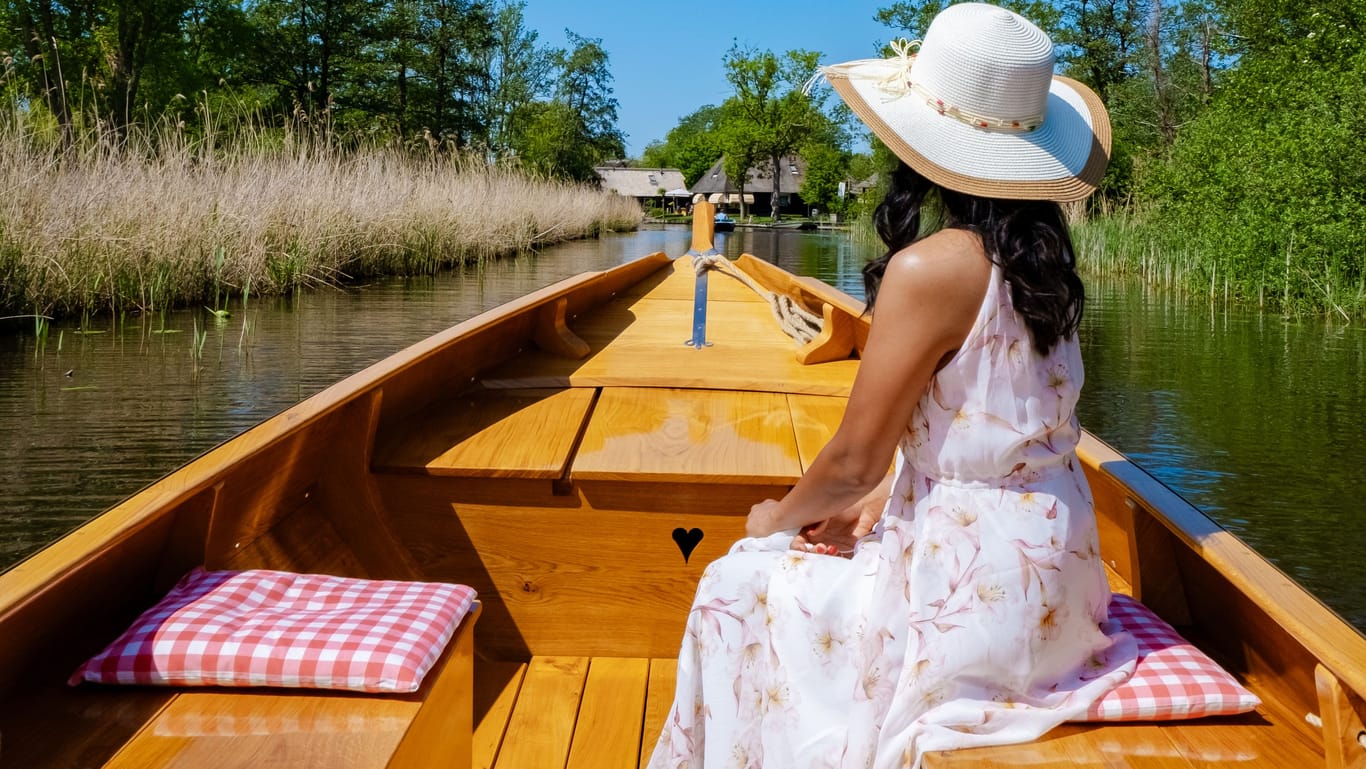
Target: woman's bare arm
[[927, 303]]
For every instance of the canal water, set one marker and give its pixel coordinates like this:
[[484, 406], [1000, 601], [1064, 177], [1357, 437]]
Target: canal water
[[1256, 420]]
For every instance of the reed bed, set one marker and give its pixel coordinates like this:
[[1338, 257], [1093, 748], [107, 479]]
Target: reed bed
[[1293, 278], [160, 219]]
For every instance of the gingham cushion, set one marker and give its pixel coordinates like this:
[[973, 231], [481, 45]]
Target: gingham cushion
[[1173, 680], [274, 628]]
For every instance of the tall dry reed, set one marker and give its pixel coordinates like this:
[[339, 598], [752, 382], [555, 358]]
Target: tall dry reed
[[158, 218]]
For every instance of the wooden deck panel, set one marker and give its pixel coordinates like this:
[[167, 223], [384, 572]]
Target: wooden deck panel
[[663, 675], [610, 712], [699, 436], [640, 342], [251, 729], [814, 421], [611, 716], [496, 685], [484, 433], [542, 722], [555, 570], [1211, 743], [678, 282]]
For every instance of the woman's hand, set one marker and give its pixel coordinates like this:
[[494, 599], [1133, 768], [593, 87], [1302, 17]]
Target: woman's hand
[[762, 520], [838, 534]]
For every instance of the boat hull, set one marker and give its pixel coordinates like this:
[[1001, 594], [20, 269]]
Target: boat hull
[[572, 460]]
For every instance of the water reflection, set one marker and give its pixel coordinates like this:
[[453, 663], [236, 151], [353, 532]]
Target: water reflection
[[1255, 420], [1252, 419]]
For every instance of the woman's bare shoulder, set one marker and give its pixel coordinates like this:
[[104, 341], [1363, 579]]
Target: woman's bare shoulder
[[950, 265]]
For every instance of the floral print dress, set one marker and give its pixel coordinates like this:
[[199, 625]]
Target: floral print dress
[[973, 614]]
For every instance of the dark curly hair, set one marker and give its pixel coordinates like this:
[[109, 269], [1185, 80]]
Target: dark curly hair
[[1027, 239]]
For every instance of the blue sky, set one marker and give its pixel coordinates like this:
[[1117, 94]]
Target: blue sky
[[666, 57]]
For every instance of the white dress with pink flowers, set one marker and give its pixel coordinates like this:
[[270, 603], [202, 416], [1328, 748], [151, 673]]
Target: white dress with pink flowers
[[974, 614]]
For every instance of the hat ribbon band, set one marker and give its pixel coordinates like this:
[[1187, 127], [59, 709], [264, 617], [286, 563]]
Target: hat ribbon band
[[985, 122]]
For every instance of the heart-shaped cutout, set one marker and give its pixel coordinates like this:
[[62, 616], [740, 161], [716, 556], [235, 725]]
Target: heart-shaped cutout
[[687, 540]]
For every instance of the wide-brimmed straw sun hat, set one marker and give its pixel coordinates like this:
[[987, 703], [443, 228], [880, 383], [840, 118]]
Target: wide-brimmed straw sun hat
[[978, 109]]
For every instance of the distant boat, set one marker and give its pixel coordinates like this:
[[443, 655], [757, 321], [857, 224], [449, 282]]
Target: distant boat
[[724, 223]]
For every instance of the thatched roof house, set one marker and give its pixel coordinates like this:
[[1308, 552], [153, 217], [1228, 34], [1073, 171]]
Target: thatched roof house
[[759, 183], [640, 183]]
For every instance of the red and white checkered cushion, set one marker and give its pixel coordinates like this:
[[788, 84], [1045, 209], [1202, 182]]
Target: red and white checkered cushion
[[1173, 680], [274, 628]]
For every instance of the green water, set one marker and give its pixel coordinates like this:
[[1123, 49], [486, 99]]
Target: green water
[[1255, 420]]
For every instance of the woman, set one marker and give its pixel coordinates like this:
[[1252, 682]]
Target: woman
[[971, 606]]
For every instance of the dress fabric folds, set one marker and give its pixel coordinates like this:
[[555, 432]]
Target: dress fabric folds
[[973, 614]]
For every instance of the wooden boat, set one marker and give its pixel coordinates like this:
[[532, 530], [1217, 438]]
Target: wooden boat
[[570, 458]]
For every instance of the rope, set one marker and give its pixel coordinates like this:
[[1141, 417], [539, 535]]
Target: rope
[[796, 321]]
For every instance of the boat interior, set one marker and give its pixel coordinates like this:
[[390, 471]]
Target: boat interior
[[572, 459]]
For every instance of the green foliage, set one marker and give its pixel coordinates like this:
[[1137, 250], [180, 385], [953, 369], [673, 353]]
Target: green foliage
[[567, 136], [912, 17], [771, 114], [1268, 186], [692, 146], [440, 76], [826, 167]]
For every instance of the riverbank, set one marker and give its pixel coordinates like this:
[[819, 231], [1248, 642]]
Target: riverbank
[[164, 221], [1289, 278]]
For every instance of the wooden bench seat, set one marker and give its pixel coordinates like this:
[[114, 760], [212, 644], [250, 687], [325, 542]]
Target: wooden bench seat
[[489, 433], [161, 727], [708, 436]]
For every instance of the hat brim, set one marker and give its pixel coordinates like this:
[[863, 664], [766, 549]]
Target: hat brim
[[1064, 159]]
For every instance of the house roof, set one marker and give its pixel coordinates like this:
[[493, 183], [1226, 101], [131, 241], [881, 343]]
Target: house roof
[[759, 181], [640, 182], [860, 187]]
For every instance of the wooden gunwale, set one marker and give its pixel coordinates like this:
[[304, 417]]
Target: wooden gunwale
[[1334, 643], [30, 579]]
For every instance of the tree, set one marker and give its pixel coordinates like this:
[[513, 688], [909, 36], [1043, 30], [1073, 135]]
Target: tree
[[1265, 184], [518, 70], [312, 52], [692, 146], [826, 168], [566, 136], [95, 52], [771, 107], [912, 17], [743, 148], [577, 129]]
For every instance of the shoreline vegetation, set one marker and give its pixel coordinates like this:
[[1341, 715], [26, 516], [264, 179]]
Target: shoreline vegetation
[[1177, 259], [156, 219]]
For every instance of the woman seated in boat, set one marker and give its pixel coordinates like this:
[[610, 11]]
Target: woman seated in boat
[[961, 602]]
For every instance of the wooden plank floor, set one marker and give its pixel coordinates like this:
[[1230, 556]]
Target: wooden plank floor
[[575, 712], [607, 713]]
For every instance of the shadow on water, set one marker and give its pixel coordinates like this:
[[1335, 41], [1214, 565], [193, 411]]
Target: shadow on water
[[1254, 420]]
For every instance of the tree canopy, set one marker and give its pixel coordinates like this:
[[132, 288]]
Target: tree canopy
[[458, 74], [1237, 133]]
